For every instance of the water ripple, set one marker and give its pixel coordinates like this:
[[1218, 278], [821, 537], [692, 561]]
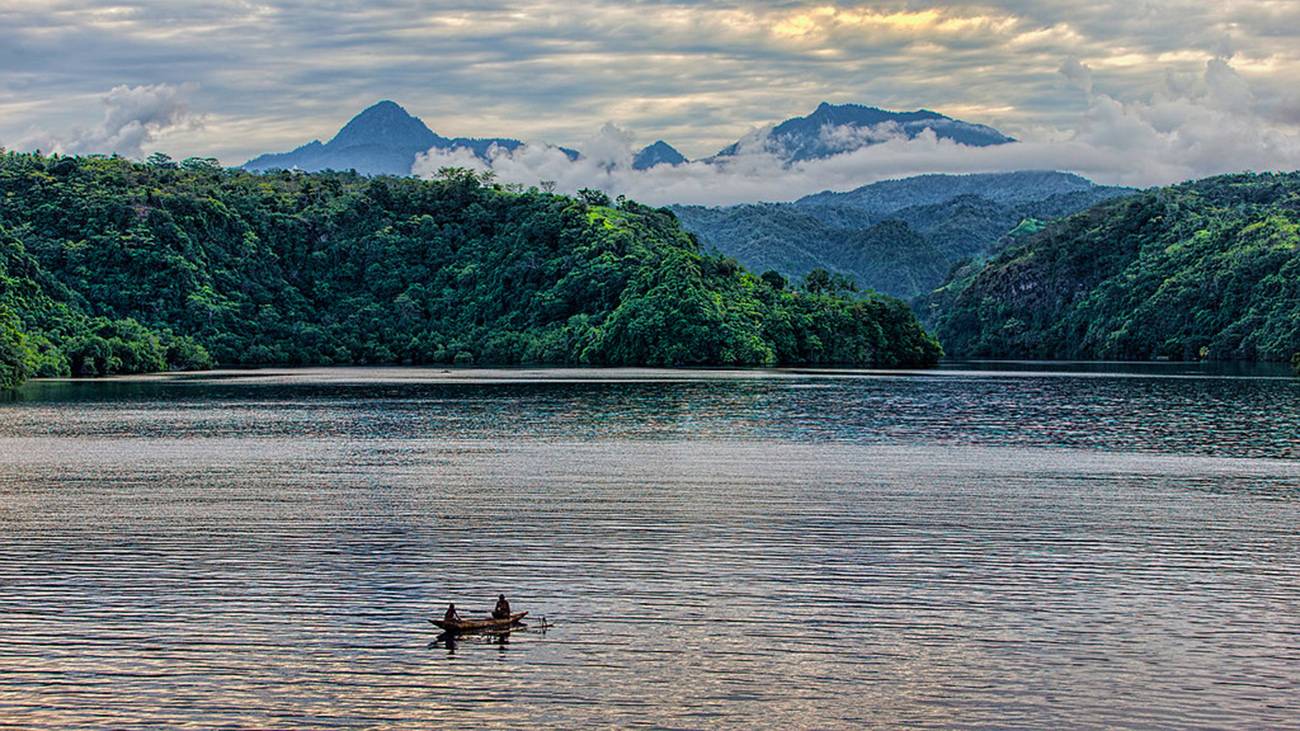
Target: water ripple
[[742, 552]]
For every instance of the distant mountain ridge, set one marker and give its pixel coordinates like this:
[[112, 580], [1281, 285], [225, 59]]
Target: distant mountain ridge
[[659, 153], [833, 129], [900, 237], [384, 139], [1014, 187]]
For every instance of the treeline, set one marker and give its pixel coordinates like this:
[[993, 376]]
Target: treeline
[[1203, 270], [45, 331], [110, 266]]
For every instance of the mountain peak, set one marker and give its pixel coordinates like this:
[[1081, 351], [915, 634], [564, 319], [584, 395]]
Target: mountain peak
[[385, 120], [860, 115], [384, 139], [850, 109], [832, 129], [659, 153], [384, 109]]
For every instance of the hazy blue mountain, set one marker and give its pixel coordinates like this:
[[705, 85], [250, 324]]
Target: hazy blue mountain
[[776, 236], [895, 236], [835, 128], [892, 255], [389, 122], [1014, 187], [660, 153], [382, 140]]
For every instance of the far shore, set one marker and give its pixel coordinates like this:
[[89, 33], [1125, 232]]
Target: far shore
[[580, 374]]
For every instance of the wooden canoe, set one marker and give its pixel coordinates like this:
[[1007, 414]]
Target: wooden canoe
[[470, 625]]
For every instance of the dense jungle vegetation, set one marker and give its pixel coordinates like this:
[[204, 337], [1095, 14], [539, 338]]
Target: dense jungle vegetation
[[1208, 269], [111, 266]]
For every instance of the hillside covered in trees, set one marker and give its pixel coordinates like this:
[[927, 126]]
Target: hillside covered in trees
[[109, 266], [900, 237], [1208, 269]]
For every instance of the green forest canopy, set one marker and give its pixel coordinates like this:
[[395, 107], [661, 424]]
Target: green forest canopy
[[110, 266], [1203, 270]]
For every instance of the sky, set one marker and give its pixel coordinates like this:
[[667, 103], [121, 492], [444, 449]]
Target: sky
[[1125, 91]]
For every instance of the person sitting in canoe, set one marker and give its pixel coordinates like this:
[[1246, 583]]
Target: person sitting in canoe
[[452, 615], [502, 610]]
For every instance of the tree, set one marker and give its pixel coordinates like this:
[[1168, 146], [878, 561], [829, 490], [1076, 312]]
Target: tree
[[458, 175], [161, 160], [774, 279], [843, 283], [15, 357], [817, 281], [593, 197], [186, 354], [201, 164]]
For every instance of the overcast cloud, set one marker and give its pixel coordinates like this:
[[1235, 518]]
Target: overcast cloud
[[1193, 127], [1134, 91]]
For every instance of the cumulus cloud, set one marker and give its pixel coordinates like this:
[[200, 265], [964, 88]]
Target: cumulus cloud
[[1185, 131], [134, 116]]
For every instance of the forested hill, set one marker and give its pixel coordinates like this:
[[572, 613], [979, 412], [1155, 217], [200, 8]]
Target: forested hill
[[896, 236], [1206, 269], [109, 266]]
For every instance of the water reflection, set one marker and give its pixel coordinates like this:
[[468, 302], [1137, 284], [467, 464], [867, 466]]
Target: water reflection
[[499, 637], [1148, 408]]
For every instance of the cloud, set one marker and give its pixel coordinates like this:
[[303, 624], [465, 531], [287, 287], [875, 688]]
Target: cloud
[[1207, 127], [1078, 73], [845, 138], [277, 73], [134, 116]]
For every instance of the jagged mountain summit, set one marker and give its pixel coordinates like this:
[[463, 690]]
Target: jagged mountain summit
[[387, 121], [385, 139], [660, 153], [382, 140], [833, 129]]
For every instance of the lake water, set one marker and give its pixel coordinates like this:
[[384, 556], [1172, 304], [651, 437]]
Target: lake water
[[987, 545]]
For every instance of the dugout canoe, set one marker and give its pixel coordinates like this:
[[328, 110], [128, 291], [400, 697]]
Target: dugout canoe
[[471, 625]]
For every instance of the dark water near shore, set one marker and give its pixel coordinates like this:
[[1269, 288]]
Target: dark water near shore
[[1013, 545]]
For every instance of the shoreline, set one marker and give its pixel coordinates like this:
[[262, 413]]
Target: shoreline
[[598, 374]]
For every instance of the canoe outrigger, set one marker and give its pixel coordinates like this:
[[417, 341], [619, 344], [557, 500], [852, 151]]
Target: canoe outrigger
[[476, 625]]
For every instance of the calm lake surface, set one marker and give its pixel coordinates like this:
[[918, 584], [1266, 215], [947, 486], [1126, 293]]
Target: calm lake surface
[[985, 545]]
